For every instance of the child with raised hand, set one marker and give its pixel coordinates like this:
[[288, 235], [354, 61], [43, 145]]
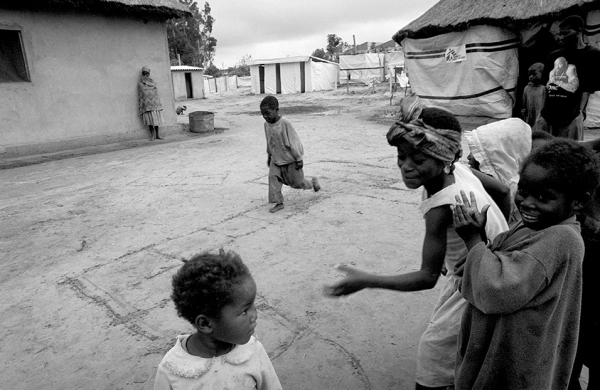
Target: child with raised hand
[[428, 143], [284, 154], [215, 292], [520, 328]]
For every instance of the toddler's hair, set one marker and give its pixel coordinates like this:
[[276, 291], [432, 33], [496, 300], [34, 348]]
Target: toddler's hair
[[440, 119], [541, 134], [270, 101], [204, 284], [572, 166], [537, 66]]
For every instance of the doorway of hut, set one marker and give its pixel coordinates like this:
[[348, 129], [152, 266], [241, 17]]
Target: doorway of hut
[[188, 85]]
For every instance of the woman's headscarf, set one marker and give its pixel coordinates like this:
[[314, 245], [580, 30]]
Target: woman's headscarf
[[145, 80], [441, 144]]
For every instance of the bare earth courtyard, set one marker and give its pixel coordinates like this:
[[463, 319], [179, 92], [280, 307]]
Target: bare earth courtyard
[[89, 245]]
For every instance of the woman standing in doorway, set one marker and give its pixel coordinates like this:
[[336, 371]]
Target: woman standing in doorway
[[149, 103]]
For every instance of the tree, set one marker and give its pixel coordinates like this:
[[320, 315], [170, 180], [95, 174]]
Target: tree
[[242, 68], [190, 36], [335, 45], [212, 70], [319, 53]]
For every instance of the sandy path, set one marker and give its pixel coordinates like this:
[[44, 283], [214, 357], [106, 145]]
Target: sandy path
[[89, 245]]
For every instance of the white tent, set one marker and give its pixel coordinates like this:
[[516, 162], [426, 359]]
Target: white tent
[[472, 72], [293, 75]]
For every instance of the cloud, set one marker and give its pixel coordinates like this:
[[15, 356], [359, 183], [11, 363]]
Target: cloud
[[270, 29]]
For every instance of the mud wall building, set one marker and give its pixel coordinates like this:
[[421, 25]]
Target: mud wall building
[[70, 71]]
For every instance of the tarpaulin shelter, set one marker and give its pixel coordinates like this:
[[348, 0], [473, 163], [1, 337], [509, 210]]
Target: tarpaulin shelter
[[293, 75], [471, 56], [362, 68], [369, 67]]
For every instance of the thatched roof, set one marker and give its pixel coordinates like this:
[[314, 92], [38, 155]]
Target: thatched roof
[[459, 15], [163, 9]]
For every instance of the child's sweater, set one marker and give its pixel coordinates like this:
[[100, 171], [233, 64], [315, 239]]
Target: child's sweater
[[246, 367], [520, 328], [283, 143]]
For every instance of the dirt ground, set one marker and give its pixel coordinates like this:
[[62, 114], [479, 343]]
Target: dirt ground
[[90, 240]]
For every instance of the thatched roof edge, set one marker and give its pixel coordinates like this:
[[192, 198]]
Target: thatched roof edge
[[163, 9], [415, 31]]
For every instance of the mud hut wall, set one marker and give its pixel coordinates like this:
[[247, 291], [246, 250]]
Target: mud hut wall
[[83, 72]]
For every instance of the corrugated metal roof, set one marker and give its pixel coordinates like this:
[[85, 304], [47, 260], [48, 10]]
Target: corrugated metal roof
[[184, 68], [286, 60]]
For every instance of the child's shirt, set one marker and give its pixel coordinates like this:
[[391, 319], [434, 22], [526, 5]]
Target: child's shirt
[[534, 97], [520, 328], [283, 143], [466, 181], [245, 367]]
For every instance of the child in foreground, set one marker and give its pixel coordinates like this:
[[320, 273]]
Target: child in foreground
[[428, 143], [285, 154], [215, 292], [520, 328]]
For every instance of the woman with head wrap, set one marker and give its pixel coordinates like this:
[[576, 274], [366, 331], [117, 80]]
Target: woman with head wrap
[[149, 103], [428, 143]]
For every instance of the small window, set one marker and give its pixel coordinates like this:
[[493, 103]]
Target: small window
[[13, 66]]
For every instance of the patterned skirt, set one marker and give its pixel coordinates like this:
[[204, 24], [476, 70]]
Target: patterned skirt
[[152, 118]]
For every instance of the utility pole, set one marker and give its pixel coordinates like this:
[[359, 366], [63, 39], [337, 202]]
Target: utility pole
[[354, 39]]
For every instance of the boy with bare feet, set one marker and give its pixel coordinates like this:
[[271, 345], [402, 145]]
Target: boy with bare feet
[[285, 154]]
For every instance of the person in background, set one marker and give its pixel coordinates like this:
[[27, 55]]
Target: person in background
[[572, 74], [285, 154], [498, 149], [534, 95], [149, 104]]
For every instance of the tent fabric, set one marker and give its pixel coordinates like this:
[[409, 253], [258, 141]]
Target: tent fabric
[[244, 81], [324, 76], [232, 82], [270, 79], [471, 73], [221, 84], [288, 77], [592, 32], [362, 67]]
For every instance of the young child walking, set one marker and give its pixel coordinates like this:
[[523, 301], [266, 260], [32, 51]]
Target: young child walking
[[215, 293], [534, 95], [428, 143], [285, 154], [520, 328]]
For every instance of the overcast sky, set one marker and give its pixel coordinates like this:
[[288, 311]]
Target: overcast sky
[[278, 28]]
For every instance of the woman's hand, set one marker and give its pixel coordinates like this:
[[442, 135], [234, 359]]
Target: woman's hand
[[353, 282]]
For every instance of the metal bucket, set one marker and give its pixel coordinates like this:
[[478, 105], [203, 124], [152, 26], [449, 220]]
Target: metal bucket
[[202, 121]]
